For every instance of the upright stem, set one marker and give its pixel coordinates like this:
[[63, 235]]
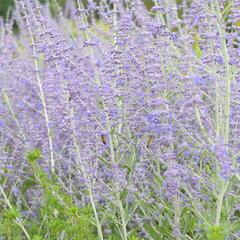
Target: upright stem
[[176, 212], [7, 100], [226, 103], [123, 219], [42, 95], [100, 234], [228, 72], [220, 203]]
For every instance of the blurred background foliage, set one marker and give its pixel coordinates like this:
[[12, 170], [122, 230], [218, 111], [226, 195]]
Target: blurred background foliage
[[5, 5]]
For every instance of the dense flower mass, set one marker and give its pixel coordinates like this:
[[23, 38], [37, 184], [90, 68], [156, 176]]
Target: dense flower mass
[[118, 122]]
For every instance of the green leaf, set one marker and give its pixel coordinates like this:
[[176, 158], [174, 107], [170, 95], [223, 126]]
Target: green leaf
[[151, 231], [27, 184], [11, 213], [104, 161], [196, 46], [33, 155], [37, 237], [197, 49], [215, 233]]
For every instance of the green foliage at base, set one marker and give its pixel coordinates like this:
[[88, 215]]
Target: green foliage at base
[[57, 217]]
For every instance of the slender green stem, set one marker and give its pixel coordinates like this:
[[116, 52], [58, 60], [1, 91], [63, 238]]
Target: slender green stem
[[220, 203], [123, 219], [198, 117], [176, 211]]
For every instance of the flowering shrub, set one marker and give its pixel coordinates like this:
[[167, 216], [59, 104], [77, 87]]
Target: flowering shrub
[[120, 123]]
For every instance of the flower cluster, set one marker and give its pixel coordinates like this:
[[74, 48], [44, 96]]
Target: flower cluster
[[133, 113]]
